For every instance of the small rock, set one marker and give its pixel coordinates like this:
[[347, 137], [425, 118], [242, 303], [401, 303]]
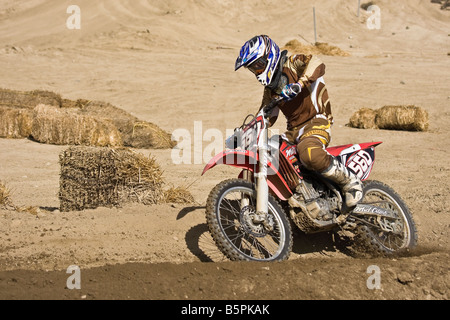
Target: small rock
[[404, 277]]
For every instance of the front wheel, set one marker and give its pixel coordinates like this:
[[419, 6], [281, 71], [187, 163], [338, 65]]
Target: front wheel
[[381, 236], [230, 214]]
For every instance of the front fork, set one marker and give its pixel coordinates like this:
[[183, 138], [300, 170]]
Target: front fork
[[261, 215], [262, 188]]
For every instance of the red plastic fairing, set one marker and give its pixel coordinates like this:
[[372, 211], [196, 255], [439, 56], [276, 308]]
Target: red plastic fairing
[[246, 160], [335, 151], [237, 158]]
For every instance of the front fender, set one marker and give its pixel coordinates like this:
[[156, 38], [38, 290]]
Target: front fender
[[248, 160], [237, 158]]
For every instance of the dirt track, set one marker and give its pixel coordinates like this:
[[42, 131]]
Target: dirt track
[[304, 279], [149, 58]]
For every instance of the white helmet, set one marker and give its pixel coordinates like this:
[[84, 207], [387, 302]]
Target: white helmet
[[261, 56]]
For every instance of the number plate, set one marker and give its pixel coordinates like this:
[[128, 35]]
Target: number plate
[[361, 163]]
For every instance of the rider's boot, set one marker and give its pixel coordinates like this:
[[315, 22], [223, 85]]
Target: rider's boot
[[350, 184]]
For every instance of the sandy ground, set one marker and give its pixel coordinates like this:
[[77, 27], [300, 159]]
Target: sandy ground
[[171, 63]]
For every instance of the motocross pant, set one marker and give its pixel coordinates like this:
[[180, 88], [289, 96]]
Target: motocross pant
[[312, 140]]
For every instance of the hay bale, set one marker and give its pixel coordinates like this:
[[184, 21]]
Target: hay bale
[[140, 177], [134, 132], [364, 118], [105, 177], [28, 99], [318, 48], [100, 109], [88, 179], [15, 123], [330, 50], [142, 134], [58, 126], [410, 118], [79, 122]]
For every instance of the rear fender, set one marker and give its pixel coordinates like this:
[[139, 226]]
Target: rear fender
[[248, 160]]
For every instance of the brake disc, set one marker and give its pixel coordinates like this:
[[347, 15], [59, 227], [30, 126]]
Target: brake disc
[[252, 223]]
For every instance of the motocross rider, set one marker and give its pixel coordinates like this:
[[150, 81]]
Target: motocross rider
[[298, 79]]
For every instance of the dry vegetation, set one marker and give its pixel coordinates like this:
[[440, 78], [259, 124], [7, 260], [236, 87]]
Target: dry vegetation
[[47, 118], [5, 197], [53, 125], [409, 118], [93, 177], [317, 48]]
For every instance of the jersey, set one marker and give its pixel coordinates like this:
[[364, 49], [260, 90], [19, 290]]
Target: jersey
[[312, 102]]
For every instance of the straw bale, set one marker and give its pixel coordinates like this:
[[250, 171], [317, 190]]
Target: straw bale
[[87, 179], [78, 104], [28, 99], [364, 118], [78, 122], [101, 109], [142, 134], [134, 133], [330, 50], [408, 117], [15, 123], [58, 126], [141, 178], [94, 177], [317, 48]]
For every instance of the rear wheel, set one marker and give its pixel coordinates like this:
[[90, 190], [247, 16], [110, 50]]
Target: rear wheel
[[236, 229], [385, 236]]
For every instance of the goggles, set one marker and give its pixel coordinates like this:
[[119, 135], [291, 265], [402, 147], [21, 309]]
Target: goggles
[[258, 66]]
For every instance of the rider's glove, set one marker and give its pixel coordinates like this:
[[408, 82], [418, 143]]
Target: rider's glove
[[291, 90]]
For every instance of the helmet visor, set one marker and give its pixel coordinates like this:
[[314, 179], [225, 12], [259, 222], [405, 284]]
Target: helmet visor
[[258, 66]]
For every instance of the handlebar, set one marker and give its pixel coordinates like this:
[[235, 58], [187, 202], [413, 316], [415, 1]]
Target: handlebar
[[272, 104], [267, 111]]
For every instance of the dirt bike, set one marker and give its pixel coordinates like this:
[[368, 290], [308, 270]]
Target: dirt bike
[[247, 216]]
